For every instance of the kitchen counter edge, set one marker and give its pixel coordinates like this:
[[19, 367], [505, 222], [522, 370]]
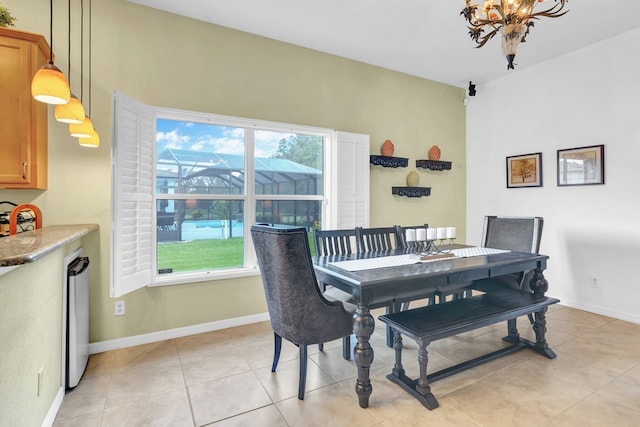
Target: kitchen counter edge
[[30, 246]]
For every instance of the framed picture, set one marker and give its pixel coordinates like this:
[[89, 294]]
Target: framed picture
[[581, 166], [524, 170]]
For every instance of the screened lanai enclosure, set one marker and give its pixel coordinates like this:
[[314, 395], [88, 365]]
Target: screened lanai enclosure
[[201, 195]]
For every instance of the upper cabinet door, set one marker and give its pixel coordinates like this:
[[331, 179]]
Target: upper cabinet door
[[23, 122]]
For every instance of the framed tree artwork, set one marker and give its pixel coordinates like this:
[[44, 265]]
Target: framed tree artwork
[[524, 170]]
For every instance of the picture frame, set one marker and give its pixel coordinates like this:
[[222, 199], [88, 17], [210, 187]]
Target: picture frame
[[524, 170], [581, 166]]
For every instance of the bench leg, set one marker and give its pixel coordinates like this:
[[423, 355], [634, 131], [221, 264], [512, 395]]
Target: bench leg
[[398, 370], [422, 387]]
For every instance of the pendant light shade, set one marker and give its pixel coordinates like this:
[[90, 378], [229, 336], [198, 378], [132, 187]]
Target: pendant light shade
[[50, 86], [81, 130], [92, 141], [72, 112]]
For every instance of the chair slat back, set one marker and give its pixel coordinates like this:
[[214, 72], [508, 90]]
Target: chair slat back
[[376, 239], [401, 235], [333, 242]]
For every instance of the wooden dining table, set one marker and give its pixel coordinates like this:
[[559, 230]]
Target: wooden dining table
[[376, 279]]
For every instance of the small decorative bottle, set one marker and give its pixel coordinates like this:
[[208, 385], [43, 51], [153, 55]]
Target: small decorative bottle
[[413, 179], [387, 148], [434, 153]]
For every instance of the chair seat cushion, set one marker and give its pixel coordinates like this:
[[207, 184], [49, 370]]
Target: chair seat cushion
[[338, 295]]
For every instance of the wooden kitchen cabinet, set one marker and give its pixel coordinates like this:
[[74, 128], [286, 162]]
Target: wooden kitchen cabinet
[[23, 120]]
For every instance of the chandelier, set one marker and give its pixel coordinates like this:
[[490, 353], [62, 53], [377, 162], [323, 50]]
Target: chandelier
[[512, 18]]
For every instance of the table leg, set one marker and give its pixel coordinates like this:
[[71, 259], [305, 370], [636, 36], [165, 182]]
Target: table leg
[[539, 285], [363, 326]]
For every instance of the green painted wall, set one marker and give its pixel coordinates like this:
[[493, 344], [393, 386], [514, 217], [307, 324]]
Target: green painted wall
[[166, 60]]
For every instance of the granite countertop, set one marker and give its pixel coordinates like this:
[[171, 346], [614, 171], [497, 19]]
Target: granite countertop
[[30, 246]]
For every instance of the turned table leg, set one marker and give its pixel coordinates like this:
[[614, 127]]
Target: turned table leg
[[363, 326]]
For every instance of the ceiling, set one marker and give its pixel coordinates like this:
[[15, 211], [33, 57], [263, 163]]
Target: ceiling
[[424, 38]]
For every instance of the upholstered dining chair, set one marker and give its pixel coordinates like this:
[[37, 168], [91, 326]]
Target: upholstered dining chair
[[519, 234], [298, 311]]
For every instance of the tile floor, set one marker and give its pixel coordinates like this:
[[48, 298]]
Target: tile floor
[[223, 378]]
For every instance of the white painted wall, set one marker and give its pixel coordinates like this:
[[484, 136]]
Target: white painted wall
[[589, 97]]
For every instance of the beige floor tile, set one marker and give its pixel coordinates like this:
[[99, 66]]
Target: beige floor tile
[[267, 416], [595, 412], [100, 364], [91, 419], [209, 341], [162, 410], [259, 354], [332, 363], [247, 334], [283, 384], [226, 397], [145, 354], [88, 397], [148, 380], [328, 406], [575, 322], [206, 366], [624, 390]]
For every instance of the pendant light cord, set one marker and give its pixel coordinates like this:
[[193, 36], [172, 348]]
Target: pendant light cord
[[69, 45], [82, 53], [51, 32], [90, 66]]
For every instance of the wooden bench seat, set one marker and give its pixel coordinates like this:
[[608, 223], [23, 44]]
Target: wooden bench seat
[[433, 322]]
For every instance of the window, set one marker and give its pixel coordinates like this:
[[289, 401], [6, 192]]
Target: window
[[187, 186]]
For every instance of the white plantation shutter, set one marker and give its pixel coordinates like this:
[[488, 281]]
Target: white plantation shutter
[[133, 162], [352, 184]]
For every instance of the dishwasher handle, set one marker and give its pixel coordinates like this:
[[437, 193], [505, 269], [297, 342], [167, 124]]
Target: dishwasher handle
[[78, 266]]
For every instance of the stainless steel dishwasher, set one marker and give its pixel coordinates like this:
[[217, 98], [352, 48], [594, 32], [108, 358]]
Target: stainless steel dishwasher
[[77, 320]]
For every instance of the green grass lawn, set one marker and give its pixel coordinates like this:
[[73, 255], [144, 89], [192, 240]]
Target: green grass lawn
[[199, 255]]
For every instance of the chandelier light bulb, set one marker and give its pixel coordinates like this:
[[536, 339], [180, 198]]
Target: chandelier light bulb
[[49, 85], [81, 130]]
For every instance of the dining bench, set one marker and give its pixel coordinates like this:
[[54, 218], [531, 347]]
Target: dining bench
[[437, 321]]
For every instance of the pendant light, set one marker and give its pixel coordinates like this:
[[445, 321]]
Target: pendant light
[[93, 140], [73, 111], [49, 85]]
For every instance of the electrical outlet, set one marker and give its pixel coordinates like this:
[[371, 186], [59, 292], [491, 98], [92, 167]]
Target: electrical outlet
[[119, 308], [594, 283], [40, 380]]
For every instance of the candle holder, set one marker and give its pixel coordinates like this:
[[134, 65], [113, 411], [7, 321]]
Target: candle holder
[[429, 243]]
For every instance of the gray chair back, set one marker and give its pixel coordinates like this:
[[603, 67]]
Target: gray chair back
[[520, 234], [298, 311]]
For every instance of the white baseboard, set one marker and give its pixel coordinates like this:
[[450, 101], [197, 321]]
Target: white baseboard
[[601, 310], [101, 346], [54, 408]]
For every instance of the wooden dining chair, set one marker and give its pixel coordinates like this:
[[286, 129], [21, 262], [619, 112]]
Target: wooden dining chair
[[401, 235], [335, 242], [298, 311], [376, 239], [401, 238]]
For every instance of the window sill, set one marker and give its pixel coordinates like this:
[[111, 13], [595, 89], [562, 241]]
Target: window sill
[[186, 278]]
